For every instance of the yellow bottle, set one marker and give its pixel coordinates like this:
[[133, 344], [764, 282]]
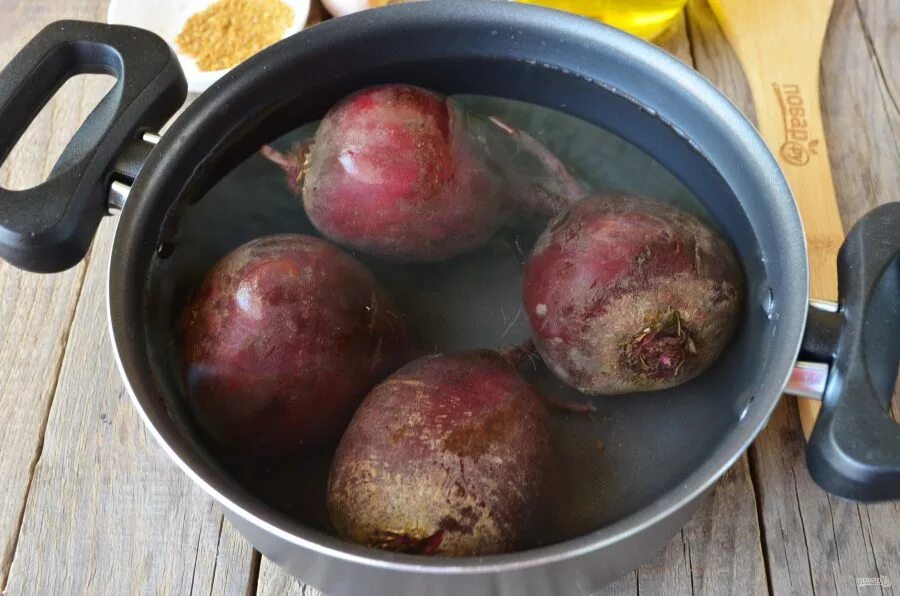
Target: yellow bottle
[[645, 18]]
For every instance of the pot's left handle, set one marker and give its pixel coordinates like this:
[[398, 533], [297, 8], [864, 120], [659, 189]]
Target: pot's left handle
[[49, 227]]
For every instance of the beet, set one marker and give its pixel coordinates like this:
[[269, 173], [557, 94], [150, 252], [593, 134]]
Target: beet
[[447, 456], [281, 342], [404, 173], [630, 294]]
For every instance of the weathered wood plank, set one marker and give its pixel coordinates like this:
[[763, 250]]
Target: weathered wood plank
[[862, 116], [723, 540], [274, 581], [107, 512], [35, 311], [670, 571], [815, 543], [879, 20], [627, 585]]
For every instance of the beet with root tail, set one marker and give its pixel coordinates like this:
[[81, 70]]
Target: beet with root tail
[[404, 173]]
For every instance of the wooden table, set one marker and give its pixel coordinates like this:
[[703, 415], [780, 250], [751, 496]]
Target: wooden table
[[90, 505]]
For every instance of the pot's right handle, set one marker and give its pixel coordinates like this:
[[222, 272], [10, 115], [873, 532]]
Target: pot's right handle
[[49, 227], [854, 450]]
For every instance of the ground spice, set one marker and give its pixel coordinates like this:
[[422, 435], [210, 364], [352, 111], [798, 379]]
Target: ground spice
[[230, 31]]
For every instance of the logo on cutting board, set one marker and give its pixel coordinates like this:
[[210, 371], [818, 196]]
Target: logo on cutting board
[[797, 146], [881, 580]]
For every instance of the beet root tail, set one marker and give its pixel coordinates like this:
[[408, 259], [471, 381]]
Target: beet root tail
[[282, 160], [292, 162]]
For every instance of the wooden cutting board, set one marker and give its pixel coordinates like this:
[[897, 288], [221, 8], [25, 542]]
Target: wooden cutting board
[[779, 45]]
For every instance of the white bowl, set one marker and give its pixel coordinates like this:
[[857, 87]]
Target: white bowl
[[166, 18]]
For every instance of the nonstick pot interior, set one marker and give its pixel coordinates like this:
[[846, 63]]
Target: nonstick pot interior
[[662, 449]]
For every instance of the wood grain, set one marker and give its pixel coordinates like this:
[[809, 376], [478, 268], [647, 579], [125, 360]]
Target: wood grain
[[273, 581], [815, 543], [35, 311], [863, 117], [35, 314], [882, 34]]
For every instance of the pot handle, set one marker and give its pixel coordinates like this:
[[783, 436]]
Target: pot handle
[[854, 450], [49, 227]]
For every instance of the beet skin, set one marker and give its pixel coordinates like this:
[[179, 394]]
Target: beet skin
[[629, 294], [447, 456], [284, 338], [393, 172], [404, 173]]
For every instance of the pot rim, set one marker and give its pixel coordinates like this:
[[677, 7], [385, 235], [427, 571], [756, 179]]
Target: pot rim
[[718, 111]]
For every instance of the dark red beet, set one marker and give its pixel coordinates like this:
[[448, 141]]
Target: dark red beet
[[403, 173], [282, 341], [447, 456], [629, 294]]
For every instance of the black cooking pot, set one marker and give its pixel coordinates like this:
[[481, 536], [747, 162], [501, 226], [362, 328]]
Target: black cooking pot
[[671, 445]]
